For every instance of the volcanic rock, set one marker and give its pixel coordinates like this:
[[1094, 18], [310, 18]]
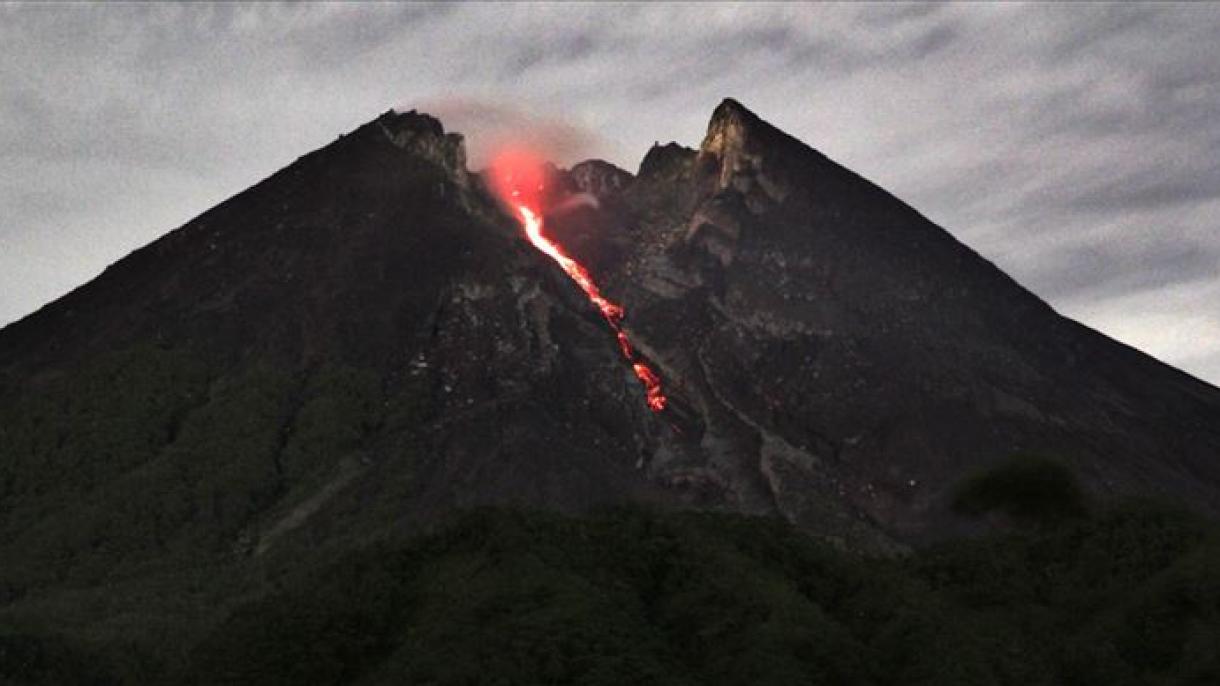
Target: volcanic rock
[[363, 343]]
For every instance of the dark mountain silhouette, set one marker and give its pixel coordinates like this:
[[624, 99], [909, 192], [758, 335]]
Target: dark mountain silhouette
[[362, 344], [839, 353]]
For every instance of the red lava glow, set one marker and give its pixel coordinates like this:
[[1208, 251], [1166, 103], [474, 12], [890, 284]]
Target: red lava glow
[[517, 177]]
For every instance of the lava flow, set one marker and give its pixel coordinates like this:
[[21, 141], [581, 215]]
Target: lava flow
[[518, 179]]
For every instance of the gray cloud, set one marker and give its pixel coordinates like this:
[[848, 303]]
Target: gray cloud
[[1115, 269], [1075, 146]]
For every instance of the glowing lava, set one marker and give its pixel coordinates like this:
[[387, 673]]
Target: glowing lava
[[518, 179]]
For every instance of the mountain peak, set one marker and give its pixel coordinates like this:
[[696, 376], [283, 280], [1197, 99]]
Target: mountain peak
[[424, 135], [730, 126], [599, 178], [413, 120], [731, 109], [666, 160], [742, 151]]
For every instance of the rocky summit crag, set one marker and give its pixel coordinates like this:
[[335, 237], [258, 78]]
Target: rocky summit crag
[[363, 344]]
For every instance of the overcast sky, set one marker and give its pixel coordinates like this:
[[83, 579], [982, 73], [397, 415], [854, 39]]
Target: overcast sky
[[1078, 147]]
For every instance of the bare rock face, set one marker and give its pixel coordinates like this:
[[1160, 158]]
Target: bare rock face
[[735, 148], [424, 137], [363, 342], [667, 162], [845, 361], [599, 177]]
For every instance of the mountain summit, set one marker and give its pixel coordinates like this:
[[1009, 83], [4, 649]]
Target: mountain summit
[[364, 343]]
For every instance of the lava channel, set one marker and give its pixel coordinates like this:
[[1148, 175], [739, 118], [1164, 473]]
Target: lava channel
[[518, 179]]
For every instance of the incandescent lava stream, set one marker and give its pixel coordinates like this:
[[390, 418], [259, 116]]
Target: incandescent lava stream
[[517, 177]]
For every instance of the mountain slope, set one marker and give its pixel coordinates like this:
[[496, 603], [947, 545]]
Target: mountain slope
[[838, 342], [363, 344], [362, 328]]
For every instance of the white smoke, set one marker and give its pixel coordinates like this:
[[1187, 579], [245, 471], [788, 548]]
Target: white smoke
[[489, 127], [573, 201]]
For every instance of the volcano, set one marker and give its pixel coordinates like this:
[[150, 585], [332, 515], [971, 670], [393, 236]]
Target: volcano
[[366, 342]]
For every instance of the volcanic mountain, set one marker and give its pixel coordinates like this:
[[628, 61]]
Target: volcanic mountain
[[365, 342]]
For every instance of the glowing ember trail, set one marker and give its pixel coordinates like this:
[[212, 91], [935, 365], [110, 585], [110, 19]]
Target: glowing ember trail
[[517, 177]]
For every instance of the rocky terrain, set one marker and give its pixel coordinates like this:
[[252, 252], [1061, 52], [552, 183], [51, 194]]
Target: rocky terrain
[[362, 345], [843, 361]]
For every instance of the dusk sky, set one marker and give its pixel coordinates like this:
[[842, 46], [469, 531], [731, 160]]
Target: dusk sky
[[1078, 147]]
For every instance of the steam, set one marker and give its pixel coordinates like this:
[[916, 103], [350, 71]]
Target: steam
[[490, 127], [573, 201]]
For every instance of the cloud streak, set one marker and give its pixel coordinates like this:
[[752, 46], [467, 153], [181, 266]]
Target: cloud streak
[[1077, 147]]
